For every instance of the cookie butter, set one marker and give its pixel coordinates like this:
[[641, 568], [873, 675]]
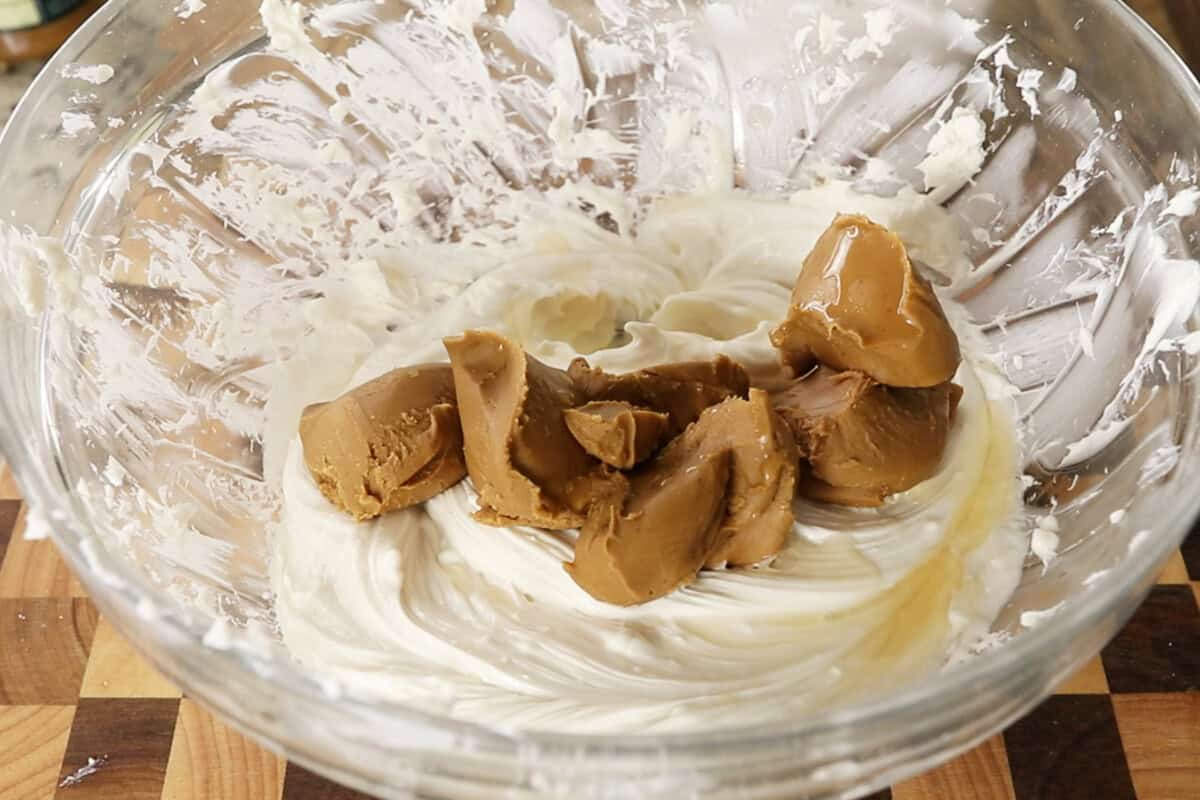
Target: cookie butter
[[388, 444], [762, 480], [657, 538], [864, 441], [682, 391], [521, 456], [719, 494], [619, 434], [858, 304]]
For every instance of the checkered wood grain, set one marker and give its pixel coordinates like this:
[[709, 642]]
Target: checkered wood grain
[[83, 716]]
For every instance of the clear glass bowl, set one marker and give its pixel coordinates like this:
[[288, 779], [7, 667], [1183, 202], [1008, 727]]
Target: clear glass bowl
[[1109, 456]]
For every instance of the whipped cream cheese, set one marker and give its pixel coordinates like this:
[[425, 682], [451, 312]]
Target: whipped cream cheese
[[427, 606]]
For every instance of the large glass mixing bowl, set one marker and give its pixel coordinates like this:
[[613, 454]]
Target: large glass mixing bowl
[[1081, 227]]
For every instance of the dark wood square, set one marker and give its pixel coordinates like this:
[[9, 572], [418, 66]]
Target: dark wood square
[[1069, 748], [9, 509], [300, 784], [1159, 650], [1191, 553], [129, 742]]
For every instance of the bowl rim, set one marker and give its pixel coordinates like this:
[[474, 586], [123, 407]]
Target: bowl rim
[[116, 587]]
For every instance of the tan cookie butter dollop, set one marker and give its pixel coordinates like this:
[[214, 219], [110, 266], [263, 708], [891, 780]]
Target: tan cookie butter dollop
[[720, 493], [682, 391], [523, 461], [859, 304], [619, 434], [762, 478], [388, 444], [862, 440], [657, 537]]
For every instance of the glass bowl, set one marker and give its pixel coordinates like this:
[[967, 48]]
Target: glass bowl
[[1081, 228]]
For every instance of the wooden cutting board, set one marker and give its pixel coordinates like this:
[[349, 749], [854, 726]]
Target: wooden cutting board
[[82, 716]]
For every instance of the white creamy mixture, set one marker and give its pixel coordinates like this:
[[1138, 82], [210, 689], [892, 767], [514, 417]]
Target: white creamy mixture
[[430, 607]]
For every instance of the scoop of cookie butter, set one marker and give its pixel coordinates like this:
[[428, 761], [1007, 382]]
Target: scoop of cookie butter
[[719, 493], [858, 304], [762, 479], [619, 434], [657, 537], [682, 391], [523, 461], [862, 440], [388, 444]]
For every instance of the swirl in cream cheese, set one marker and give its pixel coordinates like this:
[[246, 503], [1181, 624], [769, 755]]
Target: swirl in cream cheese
[[427, 606]]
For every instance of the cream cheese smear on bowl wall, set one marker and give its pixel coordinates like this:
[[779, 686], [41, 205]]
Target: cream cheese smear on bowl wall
[[383, 187]]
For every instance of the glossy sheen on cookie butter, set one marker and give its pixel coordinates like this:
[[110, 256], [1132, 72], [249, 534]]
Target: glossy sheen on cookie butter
[[762, 480], [864, 441], [720, 493], [682, 391], [388, 444], [657, 537], [522, 458], [621, 435], [858, 304]]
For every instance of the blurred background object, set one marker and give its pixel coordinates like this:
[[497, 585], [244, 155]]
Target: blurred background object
[[34, 29]]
